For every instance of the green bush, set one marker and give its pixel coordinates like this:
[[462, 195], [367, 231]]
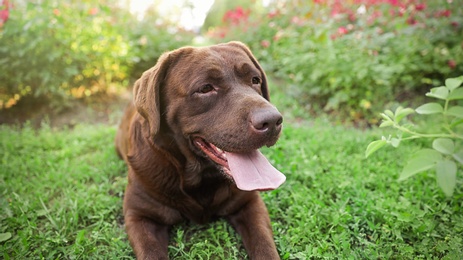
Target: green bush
[[351, 59], [149, 38], [60, 50]]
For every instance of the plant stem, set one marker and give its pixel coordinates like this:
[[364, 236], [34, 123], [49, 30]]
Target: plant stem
[[421, 135]]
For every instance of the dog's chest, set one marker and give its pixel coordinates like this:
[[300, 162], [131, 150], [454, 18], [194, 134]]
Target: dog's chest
[[211, 193]]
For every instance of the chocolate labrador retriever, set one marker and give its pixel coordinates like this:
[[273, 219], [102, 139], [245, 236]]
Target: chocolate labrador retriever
[[190, 141]]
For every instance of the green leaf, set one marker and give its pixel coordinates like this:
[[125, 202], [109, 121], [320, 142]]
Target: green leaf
[[440, 93], [395, 142], [5, 236], [456, 94], [400, 114], [374, 146], [389, 113], [386, 123], [453, 83], [430, 108], [443, 145], [446, 175], [456, 111], [455, 123], [458, 156], [423, 160]]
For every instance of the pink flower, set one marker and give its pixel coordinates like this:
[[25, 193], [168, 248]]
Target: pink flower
[[342, 30], [452, 64], [236, 15], [56, 12], [265, 43], [402, 11], [273, 13], [4, 13], [93, 11], [297, 21]]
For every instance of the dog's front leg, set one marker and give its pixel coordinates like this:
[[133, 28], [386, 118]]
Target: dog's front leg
[[253, 224], [148, 239]]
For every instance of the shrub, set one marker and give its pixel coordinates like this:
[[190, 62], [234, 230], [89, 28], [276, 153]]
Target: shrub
[[353, 58], [149, 38], [60, 50]]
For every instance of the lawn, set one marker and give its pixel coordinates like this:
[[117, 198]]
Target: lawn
[[61, 195]]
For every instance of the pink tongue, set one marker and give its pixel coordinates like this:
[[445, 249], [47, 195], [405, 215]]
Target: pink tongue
[[252, 171]]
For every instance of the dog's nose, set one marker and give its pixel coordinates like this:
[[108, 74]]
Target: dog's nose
[[266, 120]]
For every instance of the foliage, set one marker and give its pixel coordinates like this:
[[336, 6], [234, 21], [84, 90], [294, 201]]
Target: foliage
[[57, 50], [446, 150], [351, 58], [222, 10], [148, 42]]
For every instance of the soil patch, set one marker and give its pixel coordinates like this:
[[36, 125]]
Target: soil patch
[[103, 109]]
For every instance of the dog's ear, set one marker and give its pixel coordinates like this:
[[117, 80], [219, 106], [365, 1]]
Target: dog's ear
[[264, 86], [146, 93]]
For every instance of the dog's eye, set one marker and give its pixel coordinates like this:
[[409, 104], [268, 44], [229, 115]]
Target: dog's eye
[[255, 80], [206, 89]]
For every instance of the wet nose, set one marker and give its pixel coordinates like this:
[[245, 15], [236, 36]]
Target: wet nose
[[266, 120]]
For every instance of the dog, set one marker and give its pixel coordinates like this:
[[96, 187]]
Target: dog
[[190, 140]]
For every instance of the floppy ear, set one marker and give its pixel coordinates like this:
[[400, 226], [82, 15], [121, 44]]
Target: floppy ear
[[146, 93], [264, 86]]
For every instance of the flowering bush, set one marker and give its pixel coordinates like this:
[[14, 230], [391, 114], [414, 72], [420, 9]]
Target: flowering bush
[[352, 57], [58, 50]]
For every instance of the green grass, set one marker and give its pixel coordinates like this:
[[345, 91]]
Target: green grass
[[61, 198]]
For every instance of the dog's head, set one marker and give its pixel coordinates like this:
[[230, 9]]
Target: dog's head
[[215, 101]]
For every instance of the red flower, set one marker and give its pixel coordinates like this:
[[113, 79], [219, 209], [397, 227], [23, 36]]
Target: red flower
[[420, 7], [411, 21], [445, 13], [452, 64]]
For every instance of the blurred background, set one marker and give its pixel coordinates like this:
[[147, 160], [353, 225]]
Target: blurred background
[[348, 59]]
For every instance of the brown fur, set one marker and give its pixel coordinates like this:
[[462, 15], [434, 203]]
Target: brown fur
[[169, 179]]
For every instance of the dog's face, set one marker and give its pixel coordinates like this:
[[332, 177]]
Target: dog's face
[[213, 99], [217, 97]]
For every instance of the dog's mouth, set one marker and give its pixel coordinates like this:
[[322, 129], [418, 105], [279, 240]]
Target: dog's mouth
[[249, 170]]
